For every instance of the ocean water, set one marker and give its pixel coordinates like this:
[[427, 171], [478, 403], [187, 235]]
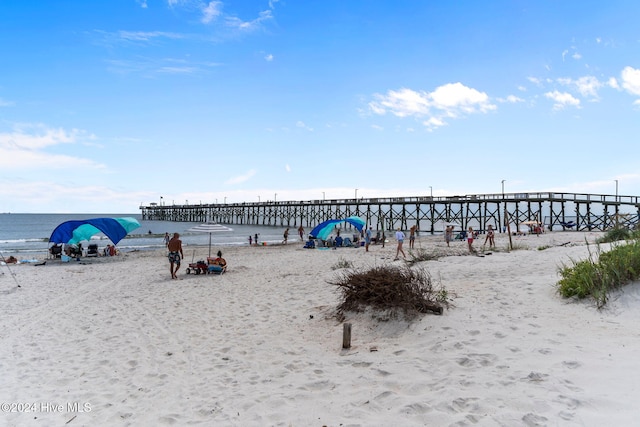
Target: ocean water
[[21, 234]]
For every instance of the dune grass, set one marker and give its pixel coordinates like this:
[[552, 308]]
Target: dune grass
[[602, 272]]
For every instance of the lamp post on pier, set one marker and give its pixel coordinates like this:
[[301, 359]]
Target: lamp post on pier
[[617, 207]]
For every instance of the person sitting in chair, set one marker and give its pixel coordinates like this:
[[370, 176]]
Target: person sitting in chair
[[55, 250], [218, 261]]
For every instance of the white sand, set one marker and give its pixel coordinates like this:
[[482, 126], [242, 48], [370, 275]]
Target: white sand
[[242, 349]]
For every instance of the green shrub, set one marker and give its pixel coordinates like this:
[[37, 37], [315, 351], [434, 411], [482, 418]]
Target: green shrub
[[615, 235], [601, 273]]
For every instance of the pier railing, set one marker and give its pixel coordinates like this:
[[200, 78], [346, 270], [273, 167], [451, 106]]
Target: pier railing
[[574, 211]]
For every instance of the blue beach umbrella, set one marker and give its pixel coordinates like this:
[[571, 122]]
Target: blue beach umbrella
[[73, 232], [324, 229]]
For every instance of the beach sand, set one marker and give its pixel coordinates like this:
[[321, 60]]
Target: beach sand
[[116, 342]]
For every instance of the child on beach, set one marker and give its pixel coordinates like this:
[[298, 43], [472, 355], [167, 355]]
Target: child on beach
[[470, 236], [490, 237]]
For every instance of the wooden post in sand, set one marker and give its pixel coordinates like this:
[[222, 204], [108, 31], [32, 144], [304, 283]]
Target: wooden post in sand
[[346, 336], [506, 218]]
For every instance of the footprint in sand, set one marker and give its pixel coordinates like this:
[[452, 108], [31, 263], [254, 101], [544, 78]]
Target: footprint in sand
[[533, 420], [572, 364]]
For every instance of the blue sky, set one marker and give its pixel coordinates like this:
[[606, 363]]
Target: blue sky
[[108, 104]]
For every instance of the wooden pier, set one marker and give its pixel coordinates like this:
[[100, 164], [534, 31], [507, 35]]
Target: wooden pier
[[553, 210]]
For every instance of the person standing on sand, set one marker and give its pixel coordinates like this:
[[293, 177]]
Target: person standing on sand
[[490, 237], [470, 239], [448, 234], [301, 232], [255, 238], [412, 236], [400, 238], [166, 239], [175, 254], [286, 236], [367, 239]]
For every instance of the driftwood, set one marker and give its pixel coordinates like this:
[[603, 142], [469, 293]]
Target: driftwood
[[398, 289]]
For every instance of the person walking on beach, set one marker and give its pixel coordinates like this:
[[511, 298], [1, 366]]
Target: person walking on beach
[[412, 236], [470, 239], [367, 239], [400, 238], [286, 236], [490, 237], [448, 234], [166, 239], [175, 254], [301, 232], [250, 240], [255, 238]]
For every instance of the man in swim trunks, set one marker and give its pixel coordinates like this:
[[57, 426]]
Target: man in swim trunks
[[175, 254], [412, 236]]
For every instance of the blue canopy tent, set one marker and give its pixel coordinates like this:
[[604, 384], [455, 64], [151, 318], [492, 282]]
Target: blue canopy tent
[[324, 229], [72, 232]]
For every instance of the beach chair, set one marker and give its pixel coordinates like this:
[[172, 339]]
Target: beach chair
[[462, 235], [55, 251], [92, 250], [310, 244], [568, 224], [217, 269]]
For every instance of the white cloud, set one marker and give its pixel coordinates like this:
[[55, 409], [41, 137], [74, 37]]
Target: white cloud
[[536, 81], [269, 57], [513, 99], [631, 80], [147, 35], [241, 178], [4, 103], [54, 196], [451, 100], [21, 140], [239, 24], [287, 168], [587, 86], [211, 11], [21, 150], [562, 99], [300, 124], [613, 83]]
